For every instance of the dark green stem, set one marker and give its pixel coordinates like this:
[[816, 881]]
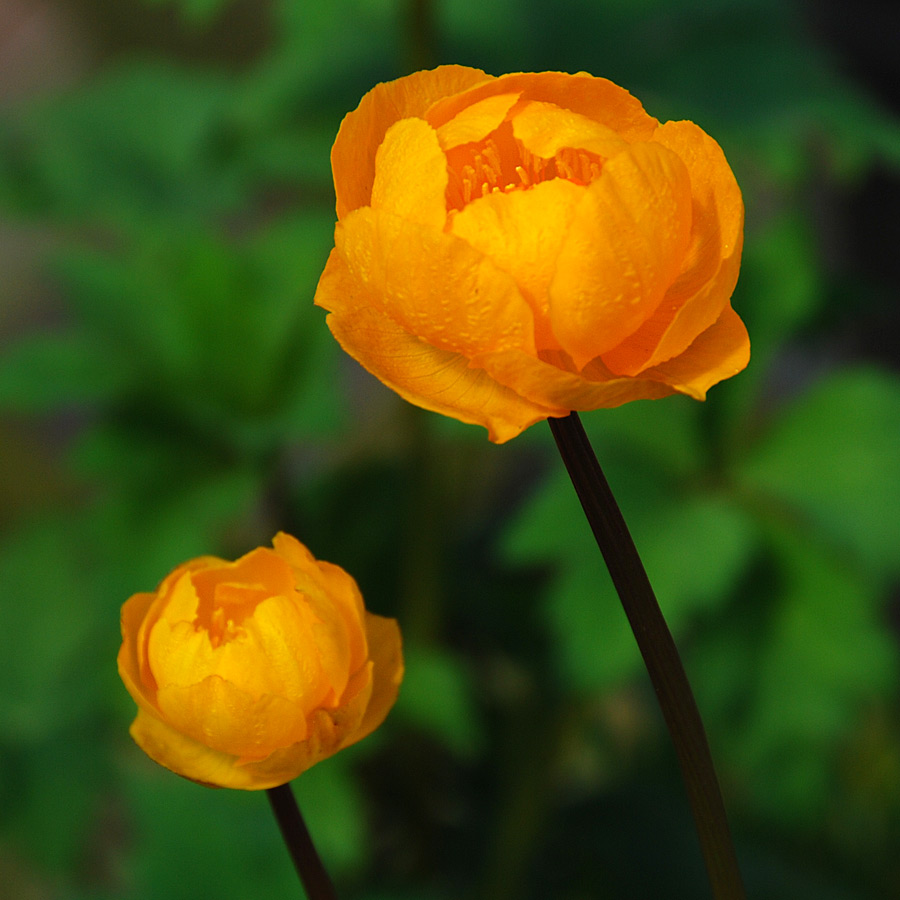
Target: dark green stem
[[303, 853], [420, 567], [660, 654], [524, 788], [421, 35]]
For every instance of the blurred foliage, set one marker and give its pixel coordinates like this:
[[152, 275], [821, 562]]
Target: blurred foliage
[[168, 389]]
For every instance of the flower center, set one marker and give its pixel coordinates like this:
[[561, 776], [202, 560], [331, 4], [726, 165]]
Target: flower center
[[223, 606], [501, 163], [222, 628]]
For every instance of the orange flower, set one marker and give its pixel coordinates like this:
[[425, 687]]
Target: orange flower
[[513, 248], [247, 673]]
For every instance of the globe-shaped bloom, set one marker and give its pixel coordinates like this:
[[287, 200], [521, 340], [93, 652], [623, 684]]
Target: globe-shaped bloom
[[513, 248], [247, 673]]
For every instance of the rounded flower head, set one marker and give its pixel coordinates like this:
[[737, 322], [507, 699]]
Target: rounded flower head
[[247, 673], [513, 248]]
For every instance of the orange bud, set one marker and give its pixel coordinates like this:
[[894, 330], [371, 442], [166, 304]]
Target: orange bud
[[247, 673], [513, 248]]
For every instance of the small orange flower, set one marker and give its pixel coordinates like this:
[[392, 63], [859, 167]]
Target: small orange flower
[[513, 248], [247, 673]]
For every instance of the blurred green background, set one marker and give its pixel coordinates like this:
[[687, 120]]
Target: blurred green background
[[167, 389]]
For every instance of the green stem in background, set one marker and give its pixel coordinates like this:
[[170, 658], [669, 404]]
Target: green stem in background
[[529, 758], [421, 601], [660, 654], [303, 853], [420, 31]]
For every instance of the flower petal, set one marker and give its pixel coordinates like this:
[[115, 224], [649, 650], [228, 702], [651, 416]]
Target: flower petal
[[387, 673], [548, 384], [672, 328], [522, 232], [545, 129], [721, 351], [411, 174], [189, 758], [272, 651], [361, 132], [325, 583], [433, 379], [291, 651], [329, 731], [625, 247], [596, 98], [476, 122], [129, 660], [719, 210], [434, 284], [710, 268], [224, 718]]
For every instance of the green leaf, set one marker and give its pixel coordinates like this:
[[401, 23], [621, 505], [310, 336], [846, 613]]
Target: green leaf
[[780, 290], [319, 66], [162, 503], [227, 328], [45, 371], [826, 657], [332, 804], [831, 461], [143, 139], [663, 436], [437, 698], [192, 841], [694, 547], [780, 287], [50, 626], [56, 788]]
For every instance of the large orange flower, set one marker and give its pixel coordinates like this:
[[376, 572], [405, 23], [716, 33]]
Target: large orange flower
[[247, 673], [513, 248]]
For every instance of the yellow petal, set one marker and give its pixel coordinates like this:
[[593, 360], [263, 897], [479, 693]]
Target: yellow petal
[[238, 585], [719, 208], [290, 651], [361, 132], [710, 268], [411, 174], [175, 599], [224, 718], [522, 232], [273, 651], [545, 129], [145, 613], [674, 326], [476, 122], [346, 600], [331, 639], [721, 351], [320, 579], [129, 660], [182, 755], [435, 285], [433, 379], [596, 98], [551, 385], [291, 550], [328, 732], [180, 603], [387, 673], [625, 247], [191, 759]]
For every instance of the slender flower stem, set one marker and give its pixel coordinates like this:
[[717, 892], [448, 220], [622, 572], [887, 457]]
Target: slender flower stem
[[306, 860], [660, 654]]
